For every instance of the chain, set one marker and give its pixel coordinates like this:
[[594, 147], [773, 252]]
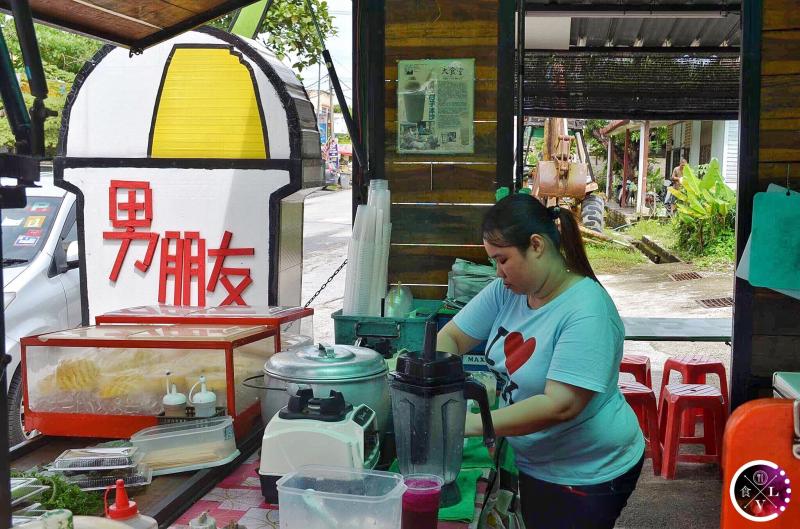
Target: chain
[[325, 284]]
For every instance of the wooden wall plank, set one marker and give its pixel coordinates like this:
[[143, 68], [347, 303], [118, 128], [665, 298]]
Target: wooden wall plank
[[428, 291], [429, 265], [775, 353], [434, 14], [437, 224], [775, 173], [780, 14], [781, 52], [779, 97], [774, 313], [432, 182]]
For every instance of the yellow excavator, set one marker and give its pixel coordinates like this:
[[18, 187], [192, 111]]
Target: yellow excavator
[[564, 172]]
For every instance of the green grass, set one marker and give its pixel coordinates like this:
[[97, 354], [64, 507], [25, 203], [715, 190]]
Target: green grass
[[659, 231], [608, 259]]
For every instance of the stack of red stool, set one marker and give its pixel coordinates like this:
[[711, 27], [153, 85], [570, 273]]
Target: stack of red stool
[[694, 370], [643, 401], [639, 367], [679, 400]]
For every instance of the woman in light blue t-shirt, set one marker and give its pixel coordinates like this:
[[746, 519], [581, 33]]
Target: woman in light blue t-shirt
[[555, 345]]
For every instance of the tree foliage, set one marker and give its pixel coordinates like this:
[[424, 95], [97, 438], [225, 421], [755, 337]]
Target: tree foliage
[[288, 30], [63, 55]]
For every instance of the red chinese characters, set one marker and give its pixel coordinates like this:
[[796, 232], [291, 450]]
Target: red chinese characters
[[130, 220], [183, 258]]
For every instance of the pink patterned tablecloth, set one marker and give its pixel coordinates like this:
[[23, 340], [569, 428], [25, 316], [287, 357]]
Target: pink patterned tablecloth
[[238, 498]]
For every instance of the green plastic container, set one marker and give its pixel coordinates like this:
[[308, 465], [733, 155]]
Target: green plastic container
[[387, 335]]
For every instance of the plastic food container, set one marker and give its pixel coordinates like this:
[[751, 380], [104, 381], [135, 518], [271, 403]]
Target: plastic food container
[[137, 476], [322, 497], [25, 490], [97, 458], [172, 448]]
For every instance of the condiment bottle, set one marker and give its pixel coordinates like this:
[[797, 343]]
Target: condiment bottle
[[174, 402], [204, 401], [125, 511]]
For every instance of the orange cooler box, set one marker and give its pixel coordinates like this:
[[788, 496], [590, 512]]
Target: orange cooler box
[[761, 462], [108, 380]]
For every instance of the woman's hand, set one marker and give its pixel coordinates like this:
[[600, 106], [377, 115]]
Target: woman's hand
[[473, 426]]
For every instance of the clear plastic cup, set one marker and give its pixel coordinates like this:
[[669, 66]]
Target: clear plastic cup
[[421, 501]]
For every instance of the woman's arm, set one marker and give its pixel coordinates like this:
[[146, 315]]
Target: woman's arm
[[559, 403], [451, 339]]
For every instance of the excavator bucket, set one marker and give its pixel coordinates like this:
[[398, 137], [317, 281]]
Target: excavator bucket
[[552, 184]]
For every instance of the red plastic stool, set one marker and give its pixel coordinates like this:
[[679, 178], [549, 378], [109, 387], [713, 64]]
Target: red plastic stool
[[643, 401], [678, 400], [694, 370], [639, 367]]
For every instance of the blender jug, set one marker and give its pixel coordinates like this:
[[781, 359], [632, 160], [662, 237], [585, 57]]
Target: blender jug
[[429, 407]]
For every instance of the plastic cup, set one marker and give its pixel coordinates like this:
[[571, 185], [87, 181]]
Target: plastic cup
[[421, 501]]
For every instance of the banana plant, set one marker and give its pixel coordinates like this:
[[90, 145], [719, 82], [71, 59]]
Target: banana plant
[[704, 204]]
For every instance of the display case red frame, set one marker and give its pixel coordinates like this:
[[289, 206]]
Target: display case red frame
[[226, 315], [123, 426]]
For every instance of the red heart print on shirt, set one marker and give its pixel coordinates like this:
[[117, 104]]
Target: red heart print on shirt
[[517, 350]]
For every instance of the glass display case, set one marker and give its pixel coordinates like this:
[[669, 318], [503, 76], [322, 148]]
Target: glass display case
[[293, 325], [109, 380]]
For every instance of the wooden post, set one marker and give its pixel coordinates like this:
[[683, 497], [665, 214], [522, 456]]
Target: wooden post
[[644, 154], [610, 168], [625, 168]]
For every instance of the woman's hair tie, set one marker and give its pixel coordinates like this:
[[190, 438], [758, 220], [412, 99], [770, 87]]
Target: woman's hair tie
[[554, 211]]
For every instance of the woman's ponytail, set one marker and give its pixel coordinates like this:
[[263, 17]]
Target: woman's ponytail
[[572, 244], [513, 220]]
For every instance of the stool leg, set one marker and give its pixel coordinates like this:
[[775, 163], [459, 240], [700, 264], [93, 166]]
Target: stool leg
[[640, 412], [648, 377], [719, 427], [653, 437], [723, 387], [671, 441], [689, 424], [709, 431]]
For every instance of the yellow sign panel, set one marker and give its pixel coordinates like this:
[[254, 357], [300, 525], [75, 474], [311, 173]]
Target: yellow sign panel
[[34, 222], [208, 108]]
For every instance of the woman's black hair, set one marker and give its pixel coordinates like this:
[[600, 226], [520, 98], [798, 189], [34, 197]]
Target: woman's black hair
[[513, 220]]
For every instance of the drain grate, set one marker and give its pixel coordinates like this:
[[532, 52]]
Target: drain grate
[[716, 303], [685, 276]]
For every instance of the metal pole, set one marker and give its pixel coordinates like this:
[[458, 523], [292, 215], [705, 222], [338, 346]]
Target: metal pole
[[319, 84], [520, 92]]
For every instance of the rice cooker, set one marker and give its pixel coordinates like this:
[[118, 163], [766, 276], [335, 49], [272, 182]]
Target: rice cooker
[[360, 374]]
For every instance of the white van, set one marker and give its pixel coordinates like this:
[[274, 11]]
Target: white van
[[41, 282]]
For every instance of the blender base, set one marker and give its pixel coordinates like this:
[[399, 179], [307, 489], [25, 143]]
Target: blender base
[[450, 495]]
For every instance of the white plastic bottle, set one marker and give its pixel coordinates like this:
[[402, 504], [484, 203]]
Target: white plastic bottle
[[125, 511]]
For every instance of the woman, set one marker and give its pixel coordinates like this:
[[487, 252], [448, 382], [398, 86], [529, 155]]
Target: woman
[[555, 344]]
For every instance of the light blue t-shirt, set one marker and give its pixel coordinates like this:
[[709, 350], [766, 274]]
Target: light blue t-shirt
[[576, 339]]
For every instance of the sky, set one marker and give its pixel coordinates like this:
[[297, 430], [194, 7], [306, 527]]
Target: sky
[[340, 48]]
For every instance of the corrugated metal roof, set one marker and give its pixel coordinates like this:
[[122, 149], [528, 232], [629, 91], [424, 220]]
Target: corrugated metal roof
[[676, 23]]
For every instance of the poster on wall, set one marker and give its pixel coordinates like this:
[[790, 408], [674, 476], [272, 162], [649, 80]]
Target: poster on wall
[[435, 106]]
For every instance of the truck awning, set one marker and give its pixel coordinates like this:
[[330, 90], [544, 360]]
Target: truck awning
[[134, 24]]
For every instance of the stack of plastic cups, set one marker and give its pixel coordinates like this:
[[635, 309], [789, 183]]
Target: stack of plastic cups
[[368, 254], [421, 501]]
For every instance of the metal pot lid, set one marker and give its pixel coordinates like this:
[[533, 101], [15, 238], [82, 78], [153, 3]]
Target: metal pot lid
[[324, 362]]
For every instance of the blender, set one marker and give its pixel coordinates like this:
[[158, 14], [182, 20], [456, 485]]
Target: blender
[[429, 405]]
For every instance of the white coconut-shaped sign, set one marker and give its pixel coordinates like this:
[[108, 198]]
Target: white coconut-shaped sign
[[180, 158]]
